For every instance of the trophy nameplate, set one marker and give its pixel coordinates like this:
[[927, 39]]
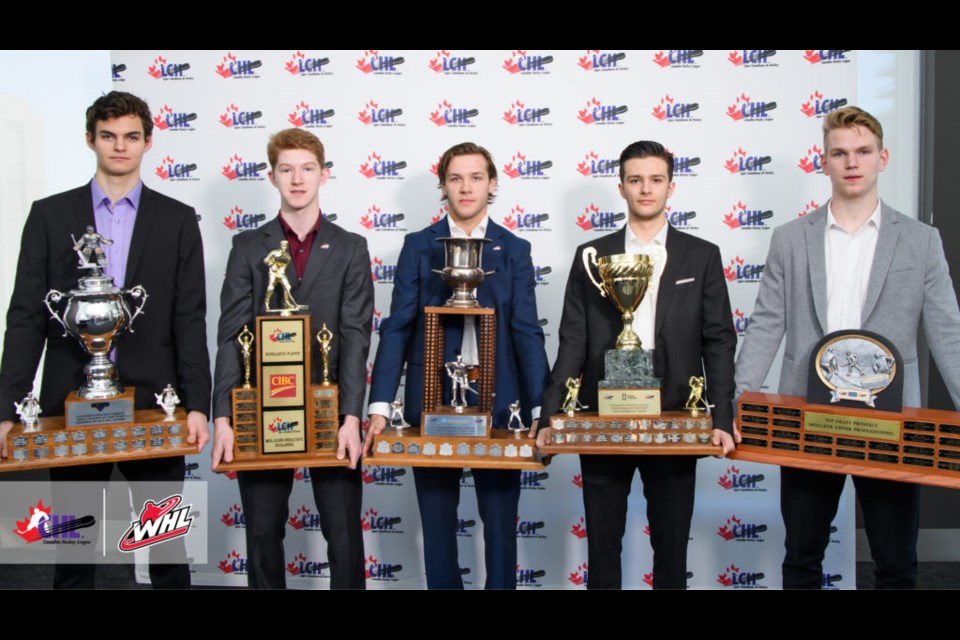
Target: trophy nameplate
[[81, 412], [628, 402]]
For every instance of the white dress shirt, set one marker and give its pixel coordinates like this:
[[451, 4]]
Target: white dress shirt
[[645, 315], [849, 260]]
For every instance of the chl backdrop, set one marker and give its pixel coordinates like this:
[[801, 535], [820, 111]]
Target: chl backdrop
[[744, 126]]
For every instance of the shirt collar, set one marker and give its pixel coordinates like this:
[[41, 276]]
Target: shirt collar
[[480, 231], [874, 218], [660, 238], [100, 198], [291, 234]]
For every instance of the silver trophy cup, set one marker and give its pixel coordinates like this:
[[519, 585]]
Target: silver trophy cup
[[463, 270]]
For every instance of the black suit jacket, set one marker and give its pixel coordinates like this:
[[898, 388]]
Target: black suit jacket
[[168, 344], [693, 329], [336, 287]]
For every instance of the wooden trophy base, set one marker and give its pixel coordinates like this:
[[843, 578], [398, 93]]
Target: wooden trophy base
[[672, 433], [920, 446], [51, 443], [503, 449]]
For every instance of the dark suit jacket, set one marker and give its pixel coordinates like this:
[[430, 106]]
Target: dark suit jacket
[[169, 340], [693, 329], [521, 362], [336, 287]]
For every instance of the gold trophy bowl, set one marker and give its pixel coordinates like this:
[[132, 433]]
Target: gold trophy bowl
[[624, 278]]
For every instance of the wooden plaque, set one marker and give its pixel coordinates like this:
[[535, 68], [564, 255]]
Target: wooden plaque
[[672, 433]]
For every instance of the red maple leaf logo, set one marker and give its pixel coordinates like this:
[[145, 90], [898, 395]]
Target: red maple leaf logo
[[735, 111], [295, 117], [725, 578], [363, 63], [230, 169], [577, 577], [292, 65], [161, 170], [371, 561], [726, 531], [579, 530], [510, 64], [436, 117], [154, 69], [366, 476], [292, 566], [223, 69], [585, 115], [812, 56], [159, 120], [365, 520], [578, 480], [585, 62], [735, 58], [648, 578], [661, 59], [296, 520], [226, 565], [435, 63]]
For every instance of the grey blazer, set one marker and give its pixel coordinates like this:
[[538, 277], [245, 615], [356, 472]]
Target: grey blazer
[[909, 284]]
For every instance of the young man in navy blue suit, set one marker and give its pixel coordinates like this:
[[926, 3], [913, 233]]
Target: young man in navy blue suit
[[468, 179]]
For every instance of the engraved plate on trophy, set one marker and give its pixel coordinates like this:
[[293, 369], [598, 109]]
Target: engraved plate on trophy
[[282, 340], [284, 431]]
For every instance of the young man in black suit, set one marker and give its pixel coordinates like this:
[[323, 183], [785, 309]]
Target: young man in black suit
[[685, 318]]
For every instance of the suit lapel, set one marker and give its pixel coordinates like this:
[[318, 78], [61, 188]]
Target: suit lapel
[[676, 252], [318, 257], [146, 213], [491, 252], [816, 260], [882, 257], [83, 209]]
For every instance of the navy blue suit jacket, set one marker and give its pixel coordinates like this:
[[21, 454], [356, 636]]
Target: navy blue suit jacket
[[522, 369]]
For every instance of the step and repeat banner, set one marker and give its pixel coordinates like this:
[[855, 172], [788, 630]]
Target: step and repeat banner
[[744, 126]]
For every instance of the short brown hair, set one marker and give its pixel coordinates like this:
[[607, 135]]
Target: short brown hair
[[293, 139], [465, 149], [116, 104], [848, 118]]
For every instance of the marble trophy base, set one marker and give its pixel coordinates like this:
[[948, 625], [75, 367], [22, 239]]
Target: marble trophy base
[[629, 387]]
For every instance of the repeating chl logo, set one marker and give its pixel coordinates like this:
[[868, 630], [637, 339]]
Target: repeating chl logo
[[232, 66], [376, 167], [190, 472], [116, 70], [56, 528], [579, 529], [233, 517], [170, 120], [383, 476], [597, 60], [680, 219], [594, 166], [307, 117], [449, 64], [826, 56], [752, 58], [378, 63], [234, 564], [384, 571], [812, 161], [163, 69], [521, 220], [283, 385], [741, 271], [522, 115], [300, 64], [579, 576], [648, 578], [158, 522], [593, 219], [466, 478], [173, 171], [278, 425], [742, 217], [830, 580], [740, 323], [734, 577], [598, 112], [810, 207], [520, 166], [302, 474], [577, 480], [465, 527], [375, 115], [245, 171], [533, 480], [374, 522], [277, 335], [678, 58], [819, 105], [745, 109], [233, 117], [529, 578], [376, 219], [447, 115], [734, 480], [735, 529], [380, 272], [303, 520], [744, 164], [304, 568], [444, 210], [525, 63], [237, 220], [669, 109], [683, 166], [375, 325], [539, 271]]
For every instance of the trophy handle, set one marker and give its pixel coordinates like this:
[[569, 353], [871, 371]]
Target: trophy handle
[[136, 292], [54, 296], [590, 257], [437, 271]]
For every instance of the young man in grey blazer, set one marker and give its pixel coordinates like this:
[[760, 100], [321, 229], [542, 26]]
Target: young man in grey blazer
[[854, 263]]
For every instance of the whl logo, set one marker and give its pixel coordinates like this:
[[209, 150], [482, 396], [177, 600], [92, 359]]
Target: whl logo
[[735, 529], [282, 336], [680, 219], [42, 524], [173, 171], [303, 520], [522, 167], [744, 109], [238, 220], [373, 522], [579, 576], [597, 60], [826, 56], [446, 63], [170, 120], [447, 115], [579, 529], [377, 168], [283, 385], [373, 114], [234, 517], [813, 161], [810, 207], [596, 167], [670, 110], [307, 117], [234, 563], [377, 220], [233, 67], [818, 105], [520, 114], [381, 571], [740, 271], [733, 577], [383, 476], [744, 164], [741, 217], [238, 169], [594, 219], [752, 57], [523, 63], [300, 64], [282, 426], [300, 566], [375, 62], [734, 480], [163, 69], [520, 220], [597, 112], [381, 272], [677, 58], [235, 118], [158, 522]]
